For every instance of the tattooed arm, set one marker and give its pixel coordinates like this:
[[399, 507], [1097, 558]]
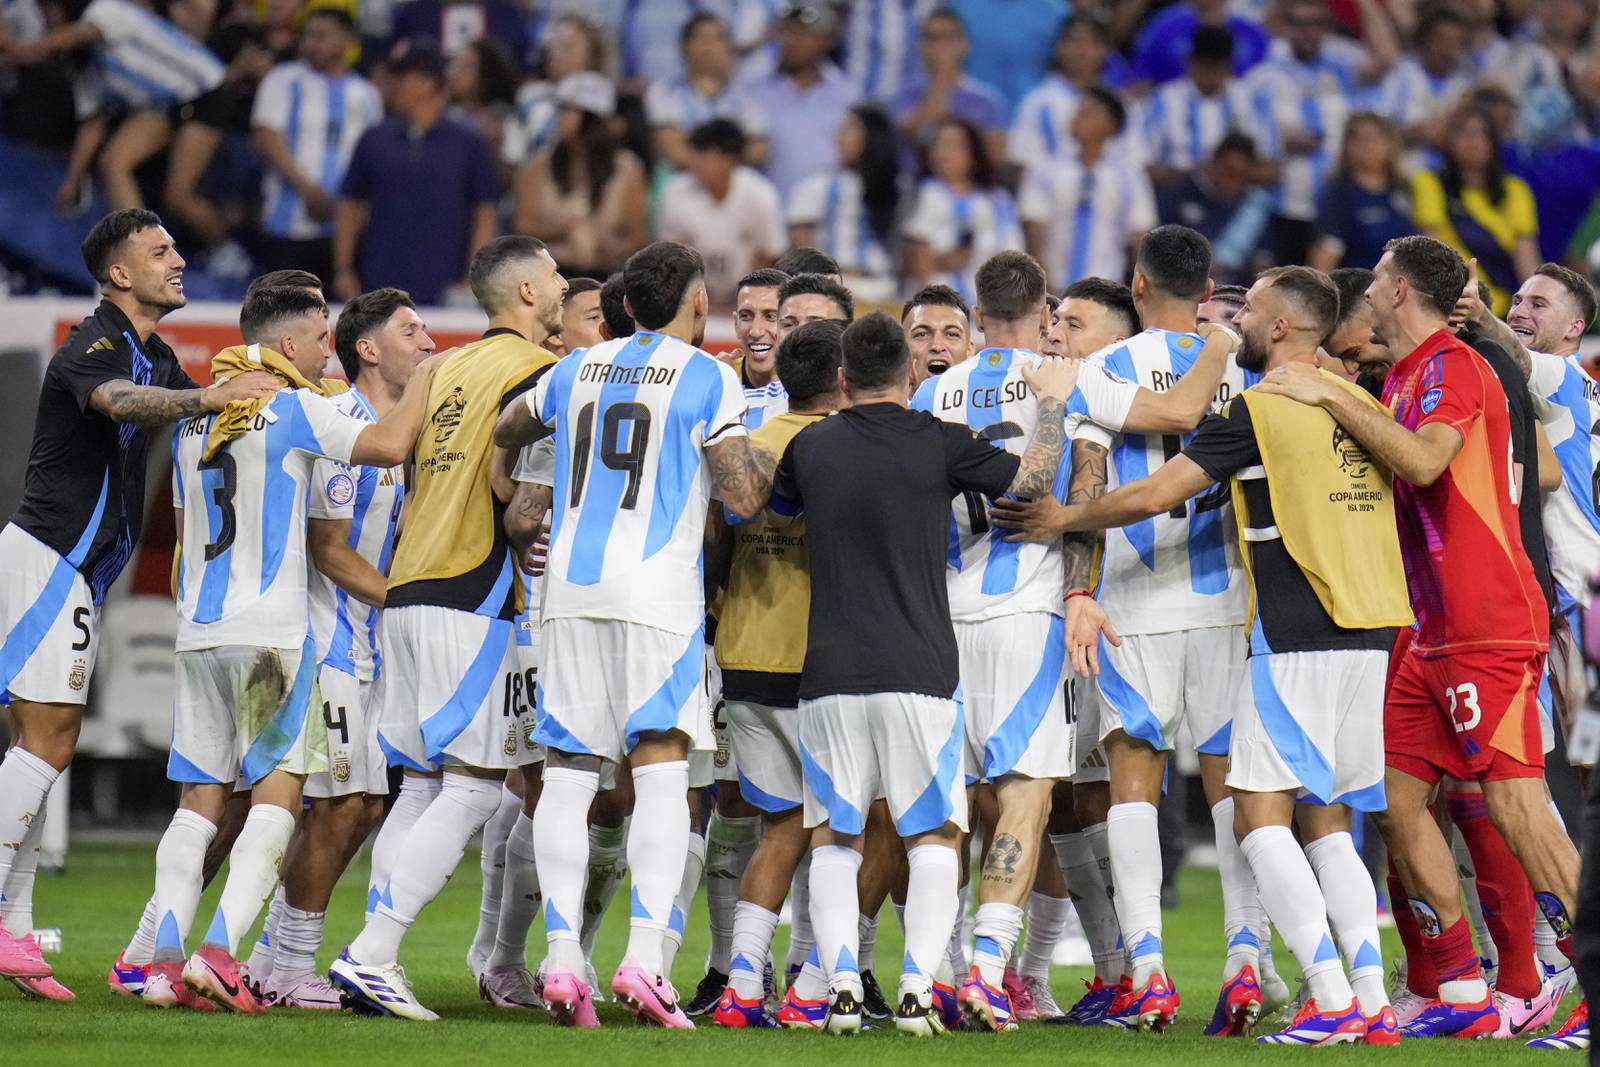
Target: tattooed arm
[[525, 514], [1042, 458], [743, 473], [150, 405], [1088, 483]]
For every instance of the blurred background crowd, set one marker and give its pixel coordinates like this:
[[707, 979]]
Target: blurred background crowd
[[378, 142]]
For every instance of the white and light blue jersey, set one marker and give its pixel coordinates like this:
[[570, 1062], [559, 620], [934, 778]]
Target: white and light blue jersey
[[988, 575], [632, 418], [1039, 131], [344, 631], [984, 220], [1313, 98], [831, 204], [764, 402], [143, 61], [880, 44], [1182, 126], [320, 118], [1090, 215], [1179, 570], [244, 573], [679, 102], [1567, 403]]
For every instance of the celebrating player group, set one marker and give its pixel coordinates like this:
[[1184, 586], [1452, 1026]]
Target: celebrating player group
[[821, 620]]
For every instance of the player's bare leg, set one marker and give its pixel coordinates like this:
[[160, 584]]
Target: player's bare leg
[[1021, 809]]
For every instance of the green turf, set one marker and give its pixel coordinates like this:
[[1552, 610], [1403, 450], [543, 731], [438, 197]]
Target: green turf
[[99, 899]]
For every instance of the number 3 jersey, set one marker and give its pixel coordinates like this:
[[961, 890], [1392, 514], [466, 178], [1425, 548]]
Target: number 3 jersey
[[1180, 570], [632, 418], [343, 629], [989, 576], [243, 574]]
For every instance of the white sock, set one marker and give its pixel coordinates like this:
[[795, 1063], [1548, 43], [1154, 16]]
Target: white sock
[[430, 854], [753, 927], [1091, 896], [415, 796], [1047, 918], [253, 867], [492, 862], [1467, 874], [142, 949], [998, 929], [867, 939], [1241, 900], [835, 913], [25, 781], [264, 955], [932, 906], [694, 865], [955, 949], [519, 902], [607, 864], [1353, 913], [658, 848], [299, 938], [180, 875], [1135, 850], [1294, 903], [16, 898], [801, 940], [561, 851], [729, 845]]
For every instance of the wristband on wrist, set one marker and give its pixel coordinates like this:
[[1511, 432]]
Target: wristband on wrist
[[1076, 592]]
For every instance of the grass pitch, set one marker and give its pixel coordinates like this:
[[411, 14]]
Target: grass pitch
[[98, 900]]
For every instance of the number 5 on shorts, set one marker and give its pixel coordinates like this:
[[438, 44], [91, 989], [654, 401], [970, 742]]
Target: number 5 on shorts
[[1468, 707]]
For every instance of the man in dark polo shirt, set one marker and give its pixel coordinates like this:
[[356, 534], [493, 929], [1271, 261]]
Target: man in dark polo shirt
[[877, 716], [419, 196]]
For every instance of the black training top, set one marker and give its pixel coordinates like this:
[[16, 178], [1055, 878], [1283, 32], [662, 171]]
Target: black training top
[[84, 492], [875, 483]]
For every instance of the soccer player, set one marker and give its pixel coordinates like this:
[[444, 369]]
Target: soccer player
[[81, 512], [246, 666], [807, 298], [755, 324], [581, 315], [803, 259], [877, 716], [1094, 314], [938, 326], [1308, 748], [455, 695], [614, 310], [1462, 699], [645, 427], [1225, 302]]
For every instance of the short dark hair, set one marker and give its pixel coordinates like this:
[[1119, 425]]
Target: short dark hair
[[1111, 102], [1433, 268], [808, 361], [719, 135], [874, 352], [1575, 284], [268, 308], [1176, 261], [361, 317], [1010, 286], [579, 286], [1313, 291], [1352, 283], [1236, 143], [300, 279], [821, 285], [1435, 17], [1212, 44], [488, 261], [656, 278], [939, 295], [105, 240], [807, 260], [1051, 301], [1230, 294], [612, 309], [763, 278], [1113, 296], [337, 14], [694, 22]]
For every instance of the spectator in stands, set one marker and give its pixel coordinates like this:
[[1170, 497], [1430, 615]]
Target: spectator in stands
[[721, 207], [1188, 117], [705, 90], [1083, 211], [943, 88], [1426, 84], [1011, 42], [880, 46], [1309, 54], [309, 115], [585, 196], [1223, 201], [1366, 202], [1165, 39], [572, 45], [807, 93], [453, 24], [418, 198], [1471, 204], [962, 214], [1562, 172], [1082, 58], [649, 33], [851, 211], [481, 84]]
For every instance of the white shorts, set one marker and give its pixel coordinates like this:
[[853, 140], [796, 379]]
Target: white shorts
[[604, 683], [904, 747], [1013, 700], [766, 748], [527, 639], [1089, 753], [1314, 725], [49, 624], [239, 713], [1152, 684], [350, 710], [454, 692]]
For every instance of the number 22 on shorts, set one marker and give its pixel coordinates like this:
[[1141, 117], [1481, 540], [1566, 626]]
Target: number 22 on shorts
[[1464, 711]]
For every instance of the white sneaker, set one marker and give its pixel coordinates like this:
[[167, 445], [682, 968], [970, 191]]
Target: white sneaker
[[1407, 1005], [477, 962], [1558, 981], [378, 989], [594, 982], [1275, 992], [509, 987], [310, 991], [1044, 1000]]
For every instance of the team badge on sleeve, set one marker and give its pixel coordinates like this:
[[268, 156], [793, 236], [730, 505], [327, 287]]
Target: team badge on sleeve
[[341, 489], [1430, 400]]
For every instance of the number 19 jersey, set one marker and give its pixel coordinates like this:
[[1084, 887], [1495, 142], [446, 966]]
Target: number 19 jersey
[[989, 576], [632, 418]]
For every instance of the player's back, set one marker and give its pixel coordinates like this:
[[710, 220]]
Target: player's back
[[1177, 570], [632, 418], [1567, 403], [455, 554]]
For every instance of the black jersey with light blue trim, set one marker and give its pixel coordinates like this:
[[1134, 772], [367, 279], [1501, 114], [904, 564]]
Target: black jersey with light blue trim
[[84, 491]]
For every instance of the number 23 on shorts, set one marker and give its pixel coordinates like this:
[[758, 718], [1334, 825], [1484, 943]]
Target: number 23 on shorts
[[1465, 714]]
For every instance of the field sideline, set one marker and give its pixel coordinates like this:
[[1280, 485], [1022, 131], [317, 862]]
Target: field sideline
[[100, 896]]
